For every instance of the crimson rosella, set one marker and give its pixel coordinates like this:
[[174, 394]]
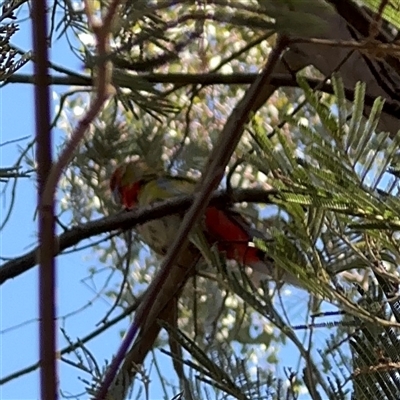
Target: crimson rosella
[[136, 184]]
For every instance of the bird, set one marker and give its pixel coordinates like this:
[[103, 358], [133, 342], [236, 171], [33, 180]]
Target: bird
[[136, 184]]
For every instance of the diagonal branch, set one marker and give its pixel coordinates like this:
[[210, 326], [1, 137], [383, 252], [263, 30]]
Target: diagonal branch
[[164, 309], [218, 160]]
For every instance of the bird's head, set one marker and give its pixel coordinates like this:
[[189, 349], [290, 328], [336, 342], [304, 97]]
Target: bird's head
[[127, 180]]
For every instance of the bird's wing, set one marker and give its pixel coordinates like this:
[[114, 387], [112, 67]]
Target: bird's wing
[[164, 188]]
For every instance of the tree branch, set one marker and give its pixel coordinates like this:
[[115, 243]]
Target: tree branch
[[128, 220], [277, 80]]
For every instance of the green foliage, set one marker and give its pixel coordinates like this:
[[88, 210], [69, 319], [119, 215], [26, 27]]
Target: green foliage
[[388, 9], [295, 17], [10, 60]]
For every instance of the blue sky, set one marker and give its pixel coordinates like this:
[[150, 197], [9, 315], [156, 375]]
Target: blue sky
[[19, 303]]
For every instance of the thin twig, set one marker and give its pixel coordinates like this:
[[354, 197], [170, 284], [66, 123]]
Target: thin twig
[[364, 45], [103, 90], [123, 286], [14, 141], [77, 344]]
